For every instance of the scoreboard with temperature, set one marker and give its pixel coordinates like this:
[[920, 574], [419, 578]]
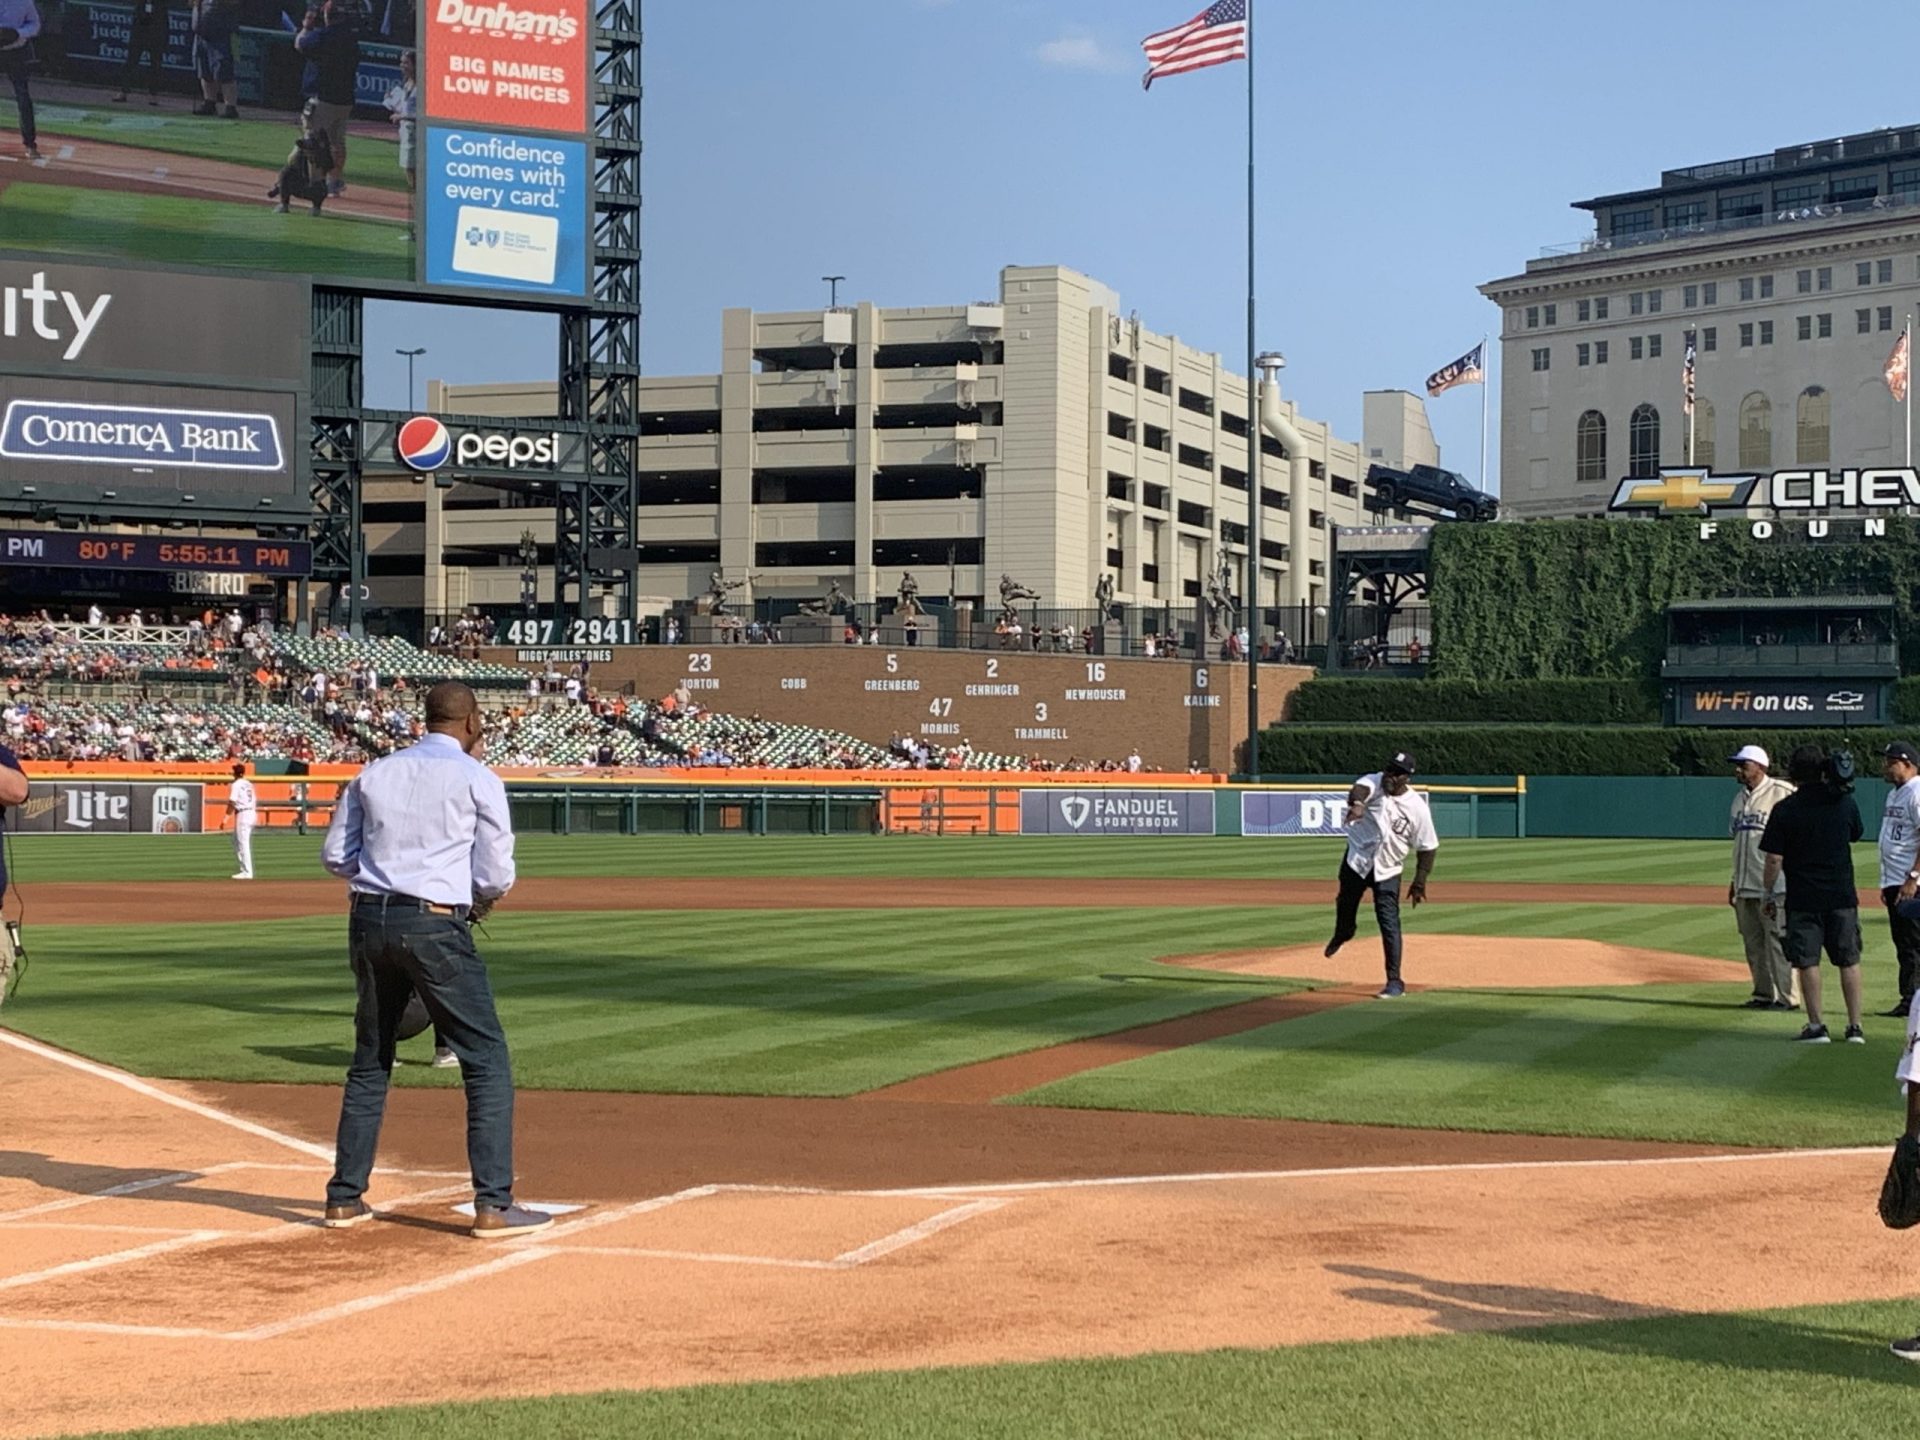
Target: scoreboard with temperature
[[67, 549]]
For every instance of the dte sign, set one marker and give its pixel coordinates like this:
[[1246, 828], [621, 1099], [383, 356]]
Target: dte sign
[[1274, 812]]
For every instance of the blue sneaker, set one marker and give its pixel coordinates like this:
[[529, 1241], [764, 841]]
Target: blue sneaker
[[1393, 991], [491, 1222]]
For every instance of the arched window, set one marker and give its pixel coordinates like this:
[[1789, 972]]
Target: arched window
[[1813, 426], [1590, 449], [1703, 446], [1643, 443], [1756, 432]]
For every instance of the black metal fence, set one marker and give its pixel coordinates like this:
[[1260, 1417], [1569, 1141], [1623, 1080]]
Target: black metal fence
[[1371, 636]]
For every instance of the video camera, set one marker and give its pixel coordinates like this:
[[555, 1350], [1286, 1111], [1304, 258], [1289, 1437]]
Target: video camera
[[1833, 770]]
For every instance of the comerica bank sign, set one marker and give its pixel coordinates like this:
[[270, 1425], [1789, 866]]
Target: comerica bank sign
[[1809, 495], [132, 434]]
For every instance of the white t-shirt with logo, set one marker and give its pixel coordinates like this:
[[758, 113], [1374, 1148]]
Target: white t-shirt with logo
[[1900, 834], [240, 797], [1378, 842]]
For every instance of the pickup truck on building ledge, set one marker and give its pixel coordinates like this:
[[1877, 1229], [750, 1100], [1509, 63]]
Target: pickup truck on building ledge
[[1428, 485]]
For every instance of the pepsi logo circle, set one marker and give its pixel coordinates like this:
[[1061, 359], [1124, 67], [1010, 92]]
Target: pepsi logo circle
[[423, 444]]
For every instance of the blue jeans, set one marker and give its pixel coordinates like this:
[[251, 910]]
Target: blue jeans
[[399, 949], [1386, 910]]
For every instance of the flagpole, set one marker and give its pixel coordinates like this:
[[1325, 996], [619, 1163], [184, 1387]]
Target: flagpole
[[1486, 388], [1909, 389], [1254, 599]]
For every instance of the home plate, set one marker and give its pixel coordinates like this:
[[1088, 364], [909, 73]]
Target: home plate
[[542, 1206]]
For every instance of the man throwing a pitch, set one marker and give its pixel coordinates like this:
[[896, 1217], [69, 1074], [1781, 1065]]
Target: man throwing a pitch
[[425, 841], [1385, 819]]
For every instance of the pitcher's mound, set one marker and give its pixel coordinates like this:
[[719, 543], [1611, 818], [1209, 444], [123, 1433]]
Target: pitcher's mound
[[1476, 962]]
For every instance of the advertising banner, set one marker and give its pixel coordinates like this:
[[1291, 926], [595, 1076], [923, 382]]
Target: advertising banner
[[98, 440], [506, 212], [82, 807], [1116, 812], [1780, 702], [58, 318], [518, 63], [1269, 812]]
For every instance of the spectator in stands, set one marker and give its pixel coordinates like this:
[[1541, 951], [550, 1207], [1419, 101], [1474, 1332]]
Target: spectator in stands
[[1133, 762]]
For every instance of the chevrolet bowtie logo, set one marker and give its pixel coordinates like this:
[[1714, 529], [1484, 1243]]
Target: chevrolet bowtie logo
[[1676, 491]]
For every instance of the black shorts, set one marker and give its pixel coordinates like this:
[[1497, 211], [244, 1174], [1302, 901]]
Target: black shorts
[[1810, 930]]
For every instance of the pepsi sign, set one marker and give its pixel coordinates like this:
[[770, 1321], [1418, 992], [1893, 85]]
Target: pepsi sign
[[140, 436], [424, 444]]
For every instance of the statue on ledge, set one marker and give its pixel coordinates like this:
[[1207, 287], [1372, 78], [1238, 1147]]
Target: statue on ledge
[[834, 602], [1103, 598], [907, 599]]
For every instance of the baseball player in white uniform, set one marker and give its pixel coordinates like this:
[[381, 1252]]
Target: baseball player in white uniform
[[241, 801], [1385, 819]]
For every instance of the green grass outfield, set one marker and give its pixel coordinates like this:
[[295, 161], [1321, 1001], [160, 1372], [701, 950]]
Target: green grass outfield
[[1823, 1372], [166, 229], [833, 1003], [903, 857], [261, 142], [764, 1002]]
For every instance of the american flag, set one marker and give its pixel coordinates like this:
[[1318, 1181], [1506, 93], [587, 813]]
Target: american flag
[[1469, 369], [1686, 406], [1899, 365], [1213, 37]]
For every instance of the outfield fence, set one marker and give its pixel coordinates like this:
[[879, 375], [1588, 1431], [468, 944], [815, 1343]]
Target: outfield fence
[[566, 801]]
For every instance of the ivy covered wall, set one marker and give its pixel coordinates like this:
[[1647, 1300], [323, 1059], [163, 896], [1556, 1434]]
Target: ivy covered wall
[[1588, 598]]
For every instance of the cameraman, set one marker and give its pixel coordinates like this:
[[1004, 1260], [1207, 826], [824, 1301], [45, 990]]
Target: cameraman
[[1811, 834]]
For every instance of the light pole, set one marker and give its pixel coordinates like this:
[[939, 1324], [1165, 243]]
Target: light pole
[[833, 290], [411, 355]]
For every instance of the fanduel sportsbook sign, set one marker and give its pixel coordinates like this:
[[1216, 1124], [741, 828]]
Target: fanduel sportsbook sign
[[129, 434], [1116, 812]]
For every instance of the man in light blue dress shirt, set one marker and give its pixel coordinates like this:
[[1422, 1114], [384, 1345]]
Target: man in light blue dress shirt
[[425, 842], [19, 23]]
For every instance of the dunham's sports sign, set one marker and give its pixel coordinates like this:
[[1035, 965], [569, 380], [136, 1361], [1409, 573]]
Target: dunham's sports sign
[[1809, 495]]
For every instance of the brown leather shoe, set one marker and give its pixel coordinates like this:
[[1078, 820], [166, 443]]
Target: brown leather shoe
[[339, 1217], [492, 1222]]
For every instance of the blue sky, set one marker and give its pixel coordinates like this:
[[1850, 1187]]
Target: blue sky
[[1407, 152]]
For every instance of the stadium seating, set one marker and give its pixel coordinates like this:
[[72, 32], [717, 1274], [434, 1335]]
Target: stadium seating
[[391, 658]]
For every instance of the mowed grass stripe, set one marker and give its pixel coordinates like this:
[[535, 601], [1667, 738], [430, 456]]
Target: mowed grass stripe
[[1736, 1375], [794, 1003], [1166, 861], [1667, 1062]]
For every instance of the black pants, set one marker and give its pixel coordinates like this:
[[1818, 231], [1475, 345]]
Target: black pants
[[14, 64], [1906, 941], [1386, 910], [149, 43]]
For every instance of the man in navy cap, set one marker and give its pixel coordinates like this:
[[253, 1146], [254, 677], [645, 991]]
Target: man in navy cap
[[1386, 817], [1900, 862]]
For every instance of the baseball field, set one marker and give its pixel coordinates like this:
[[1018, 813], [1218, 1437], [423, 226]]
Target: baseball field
[[912, 1136], [132, 183]]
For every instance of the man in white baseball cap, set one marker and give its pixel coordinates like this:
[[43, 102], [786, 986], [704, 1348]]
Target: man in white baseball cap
[[1776, 986]]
